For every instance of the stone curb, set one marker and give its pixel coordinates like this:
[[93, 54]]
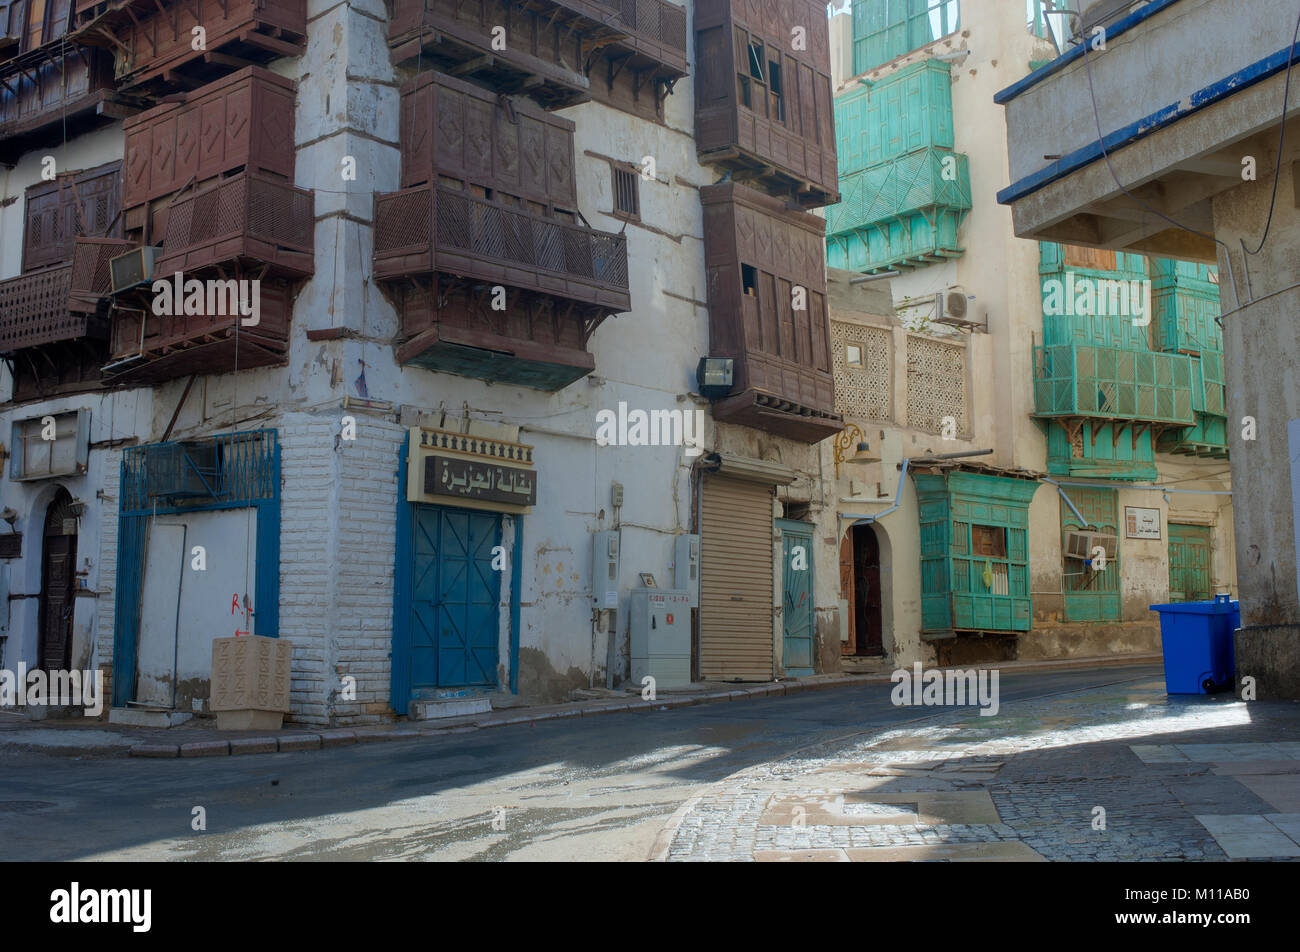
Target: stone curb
[[510, 717]]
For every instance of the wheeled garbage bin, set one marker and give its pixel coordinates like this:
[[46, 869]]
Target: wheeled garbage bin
[[1197, 641]]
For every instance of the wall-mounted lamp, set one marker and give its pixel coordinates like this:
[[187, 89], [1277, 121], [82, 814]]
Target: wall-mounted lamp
[[9, 515], [852, 438], [76, 508]]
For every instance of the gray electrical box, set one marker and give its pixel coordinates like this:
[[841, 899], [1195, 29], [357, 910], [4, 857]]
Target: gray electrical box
[[660, 629], [604, 569], [686, 567]]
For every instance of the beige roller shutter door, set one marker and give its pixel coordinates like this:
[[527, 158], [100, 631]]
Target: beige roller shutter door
[[736, 580]]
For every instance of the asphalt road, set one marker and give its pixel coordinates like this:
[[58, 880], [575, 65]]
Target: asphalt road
[[599, 788]]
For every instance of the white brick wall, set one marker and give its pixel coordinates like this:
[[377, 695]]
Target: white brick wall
[[338, 505]]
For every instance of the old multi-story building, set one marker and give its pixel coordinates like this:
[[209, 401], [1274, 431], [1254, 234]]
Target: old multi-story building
[[1190, 160], [439, 246], [1050, 417]]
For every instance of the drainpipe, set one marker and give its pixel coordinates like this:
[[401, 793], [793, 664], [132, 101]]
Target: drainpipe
[[1077, 514], [706, 463]]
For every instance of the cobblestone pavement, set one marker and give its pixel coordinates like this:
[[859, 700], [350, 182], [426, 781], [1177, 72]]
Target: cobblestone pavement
[[1122, 772]]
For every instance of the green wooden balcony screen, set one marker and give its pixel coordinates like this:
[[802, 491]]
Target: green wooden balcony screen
[[886, 29], [1075, 380]]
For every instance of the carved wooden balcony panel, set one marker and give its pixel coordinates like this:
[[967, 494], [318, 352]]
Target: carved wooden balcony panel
[[92, 279], [425, 229], [763, 106], [444, 253], [148, 347], [249, 220], [653, 35], [767, 311], [453, 129], [243, 121], [152, 40], [544, 43], [34, 312], [49, 90]]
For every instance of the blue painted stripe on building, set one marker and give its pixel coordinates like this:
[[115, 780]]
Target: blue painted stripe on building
[[516, 601], [1207, 95], [1065, 59], [126, 603], [266, 584], [400, 681]]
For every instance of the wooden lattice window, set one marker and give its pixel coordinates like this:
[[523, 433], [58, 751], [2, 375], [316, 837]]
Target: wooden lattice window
[[862, 366], [74, 204], [936, 385]]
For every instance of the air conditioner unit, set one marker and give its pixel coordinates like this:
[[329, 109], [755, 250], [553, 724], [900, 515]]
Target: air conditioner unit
[[1080, 545], [180, 470], [134, 267], [954, 307]]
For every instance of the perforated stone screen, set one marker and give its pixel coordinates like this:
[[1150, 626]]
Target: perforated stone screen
[[936, 384], [862, 392]]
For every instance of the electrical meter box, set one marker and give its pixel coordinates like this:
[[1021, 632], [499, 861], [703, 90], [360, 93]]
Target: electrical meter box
[[686, 567], [604, 569], [661, 636]]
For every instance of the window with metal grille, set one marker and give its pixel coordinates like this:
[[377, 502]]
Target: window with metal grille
[[627, 200]]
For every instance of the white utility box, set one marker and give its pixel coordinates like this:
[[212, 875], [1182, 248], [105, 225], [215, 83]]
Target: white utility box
[[604, 569], [661, 636], [686, 566]]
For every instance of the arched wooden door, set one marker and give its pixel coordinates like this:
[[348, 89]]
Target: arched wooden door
[[58, 584]]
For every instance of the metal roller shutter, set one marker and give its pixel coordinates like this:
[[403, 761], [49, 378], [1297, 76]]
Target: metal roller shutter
[[736, 580]]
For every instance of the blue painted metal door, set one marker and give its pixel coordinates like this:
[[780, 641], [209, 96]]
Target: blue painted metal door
[[797, 614], [455, 595]]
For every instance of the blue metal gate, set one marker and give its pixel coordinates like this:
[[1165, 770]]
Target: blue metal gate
[[455, 596], [797, 615]]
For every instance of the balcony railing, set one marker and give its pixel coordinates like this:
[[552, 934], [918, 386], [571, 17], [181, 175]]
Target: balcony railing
[[34, 311], [1113, 384], [49, 91], [92, 280], [424, 229], [655, 29], [149, 347], [154, 40], [248, 216]]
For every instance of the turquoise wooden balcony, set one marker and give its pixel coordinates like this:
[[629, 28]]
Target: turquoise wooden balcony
[[1107, 383], [900, 214]]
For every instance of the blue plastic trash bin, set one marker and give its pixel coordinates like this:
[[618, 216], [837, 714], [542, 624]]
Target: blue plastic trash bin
[[1197, 642]]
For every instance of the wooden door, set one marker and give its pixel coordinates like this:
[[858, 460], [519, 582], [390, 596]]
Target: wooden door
[[58, 585]]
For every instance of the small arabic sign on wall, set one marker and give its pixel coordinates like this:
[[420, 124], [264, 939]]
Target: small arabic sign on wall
[[1141, 523], [481, 480]]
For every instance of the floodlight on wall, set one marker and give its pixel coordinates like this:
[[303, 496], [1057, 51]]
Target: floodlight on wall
[[715, 376], [852, 438]]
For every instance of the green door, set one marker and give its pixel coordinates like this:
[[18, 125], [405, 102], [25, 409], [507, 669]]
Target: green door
[[1091, 592], [1189, 563], [797, 616]]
